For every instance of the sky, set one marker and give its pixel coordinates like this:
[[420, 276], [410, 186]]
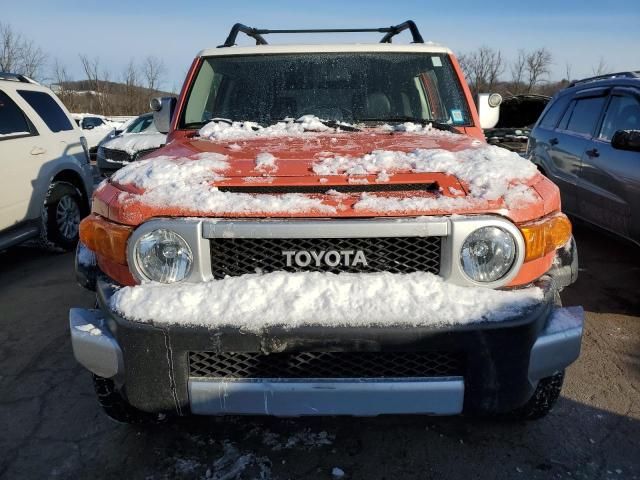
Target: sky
[[579, 33]]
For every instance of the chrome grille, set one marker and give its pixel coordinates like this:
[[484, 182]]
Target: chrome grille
[[238, 256], [241, 365]]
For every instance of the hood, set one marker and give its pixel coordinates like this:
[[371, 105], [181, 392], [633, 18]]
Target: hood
[[133, 143], [328, 174], [521, 111], [295, 155]]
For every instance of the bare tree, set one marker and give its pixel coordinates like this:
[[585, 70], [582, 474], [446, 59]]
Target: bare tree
[[33, 59], [482, 68], [518, 71], [601, 68], [134, 100], [19, 55], [567, 71], [538, 66], [98, 81], [9, 48], [153, 69], [61, 84]]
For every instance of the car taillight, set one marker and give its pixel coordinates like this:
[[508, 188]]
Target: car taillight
[[105, 238], [545, 235]]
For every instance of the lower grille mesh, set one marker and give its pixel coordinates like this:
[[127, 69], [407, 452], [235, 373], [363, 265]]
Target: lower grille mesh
[[241, 365]]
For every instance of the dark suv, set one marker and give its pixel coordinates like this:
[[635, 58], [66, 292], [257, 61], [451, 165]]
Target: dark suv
[[588, 142]]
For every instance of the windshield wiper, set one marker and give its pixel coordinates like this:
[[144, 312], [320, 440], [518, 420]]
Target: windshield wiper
[[341, 125], [327, 123], [435, 124]]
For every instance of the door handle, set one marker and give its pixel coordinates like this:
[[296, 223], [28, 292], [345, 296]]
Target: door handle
[[593, 152], [37, 151], [553, 141]]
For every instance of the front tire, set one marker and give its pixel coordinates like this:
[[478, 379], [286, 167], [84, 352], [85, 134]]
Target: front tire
[[543, 400], [64, 207]]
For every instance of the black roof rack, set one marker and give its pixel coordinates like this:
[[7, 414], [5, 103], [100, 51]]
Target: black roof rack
[[256, 33], [629, 74], [16, 77]]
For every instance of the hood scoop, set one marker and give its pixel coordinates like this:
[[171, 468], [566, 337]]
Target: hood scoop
[[427, 187]]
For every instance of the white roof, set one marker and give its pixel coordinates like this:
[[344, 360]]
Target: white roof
[[428, 47]]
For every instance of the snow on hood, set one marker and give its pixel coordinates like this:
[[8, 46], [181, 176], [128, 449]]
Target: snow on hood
[[488, 170], [133, 143], [189, 183], [257, 301]]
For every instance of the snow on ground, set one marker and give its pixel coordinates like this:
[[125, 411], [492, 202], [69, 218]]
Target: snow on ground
[[233, 464], [337, 472], [86, 257], [237, 463], [305, 439], [134, 142], [184, 183], [257, 301]]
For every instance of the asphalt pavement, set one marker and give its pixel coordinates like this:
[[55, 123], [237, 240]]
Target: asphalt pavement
[[52, 427]]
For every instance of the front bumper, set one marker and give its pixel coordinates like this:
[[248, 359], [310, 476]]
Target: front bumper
[[503, 363]]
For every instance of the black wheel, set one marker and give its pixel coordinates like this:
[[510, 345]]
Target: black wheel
[[543, 399], [117, 408], [63, 209]]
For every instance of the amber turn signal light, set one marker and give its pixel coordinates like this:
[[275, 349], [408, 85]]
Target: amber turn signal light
[[105, 238], [545, 235]]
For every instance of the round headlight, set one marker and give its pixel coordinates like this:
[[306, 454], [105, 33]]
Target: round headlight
[[163, 256], [488, 254]]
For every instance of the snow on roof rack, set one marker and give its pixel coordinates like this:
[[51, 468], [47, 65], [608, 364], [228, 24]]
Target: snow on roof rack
[[256, 33], [630, 74], [16, 77]]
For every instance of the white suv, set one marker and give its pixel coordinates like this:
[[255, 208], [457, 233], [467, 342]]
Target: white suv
[[95, 129], [46, 180]]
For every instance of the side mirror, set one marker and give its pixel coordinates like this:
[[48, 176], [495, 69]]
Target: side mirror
[[626, 140], [489, 109], [88, 127], [163, 108]]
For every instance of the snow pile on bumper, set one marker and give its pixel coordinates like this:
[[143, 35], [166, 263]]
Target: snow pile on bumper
[[258, 301]]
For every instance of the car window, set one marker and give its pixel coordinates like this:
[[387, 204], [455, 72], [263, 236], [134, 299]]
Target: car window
[[555, 111], [134, 125], [92, 122], [140, 125], [623, 113], [567, 115], [12, 120], [585, 114], [48, 109]]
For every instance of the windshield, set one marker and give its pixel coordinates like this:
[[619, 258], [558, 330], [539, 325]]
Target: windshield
[[349, 87], [141, 124]]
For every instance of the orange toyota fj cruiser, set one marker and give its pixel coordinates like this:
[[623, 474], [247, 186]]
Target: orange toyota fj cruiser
[[326, 232]]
